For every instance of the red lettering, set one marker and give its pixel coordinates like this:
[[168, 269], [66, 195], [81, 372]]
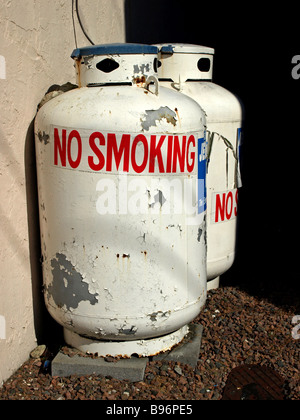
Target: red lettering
[[92, 142], [74, 135], [112, 148], [236, 202], [155, 152], [139, 168], [220, 207], [60, 148], [228, 213], [112, 151], [169, 154], [179, 153], [225, 206], [189, 166]]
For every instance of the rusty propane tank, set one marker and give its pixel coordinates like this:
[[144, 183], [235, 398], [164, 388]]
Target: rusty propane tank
[[121, 183]]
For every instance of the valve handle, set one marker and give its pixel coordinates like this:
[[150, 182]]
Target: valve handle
[[153, 79]]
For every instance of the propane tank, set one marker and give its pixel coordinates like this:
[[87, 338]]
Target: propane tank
[[121, 181], [188, 68]]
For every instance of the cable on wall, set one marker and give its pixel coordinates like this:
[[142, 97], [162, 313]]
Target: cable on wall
[[80, 23], [73, 20]]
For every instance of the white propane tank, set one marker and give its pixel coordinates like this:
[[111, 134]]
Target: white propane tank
[[121, 179], [187, 68]]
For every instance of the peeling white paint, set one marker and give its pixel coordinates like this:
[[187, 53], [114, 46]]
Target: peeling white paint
[[153, 116]]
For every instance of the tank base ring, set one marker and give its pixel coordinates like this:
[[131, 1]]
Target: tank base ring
[[213, 283], [142, 348]]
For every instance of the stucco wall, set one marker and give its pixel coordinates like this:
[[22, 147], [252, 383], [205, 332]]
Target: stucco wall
[[36, 40]]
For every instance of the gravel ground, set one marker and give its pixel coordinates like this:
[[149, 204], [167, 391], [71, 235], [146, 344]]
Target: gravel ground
[[239, 328]]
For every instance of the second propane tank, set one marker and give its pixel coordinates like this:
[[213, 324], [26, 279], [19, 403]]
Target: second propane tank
[[188, 68]]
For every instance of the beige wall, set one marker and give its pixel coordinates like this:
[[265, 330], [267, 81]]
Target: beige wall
[[36, 40]]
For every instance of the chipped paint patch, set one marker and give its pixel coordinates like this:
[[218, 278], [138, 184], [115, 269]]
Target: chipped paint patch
[[2, 327], [128, 331], [199, 234], [68, 287], [159, 314], [142, 68], [152, 116], [43, 137], [157, 198]]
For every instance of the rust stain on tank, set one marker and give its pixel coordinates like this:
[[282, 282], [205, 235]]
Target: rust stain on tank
[[139, 80], [177, 113], [77, 65]]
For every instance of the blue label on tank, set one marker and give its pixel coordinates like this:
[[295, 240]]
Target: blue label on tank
[[202, 175]]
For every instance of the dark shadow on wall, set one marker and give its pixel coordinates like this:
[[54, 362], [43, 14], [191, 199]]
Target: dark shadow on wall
[[47, 330], [252, 60], [191, 22]]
